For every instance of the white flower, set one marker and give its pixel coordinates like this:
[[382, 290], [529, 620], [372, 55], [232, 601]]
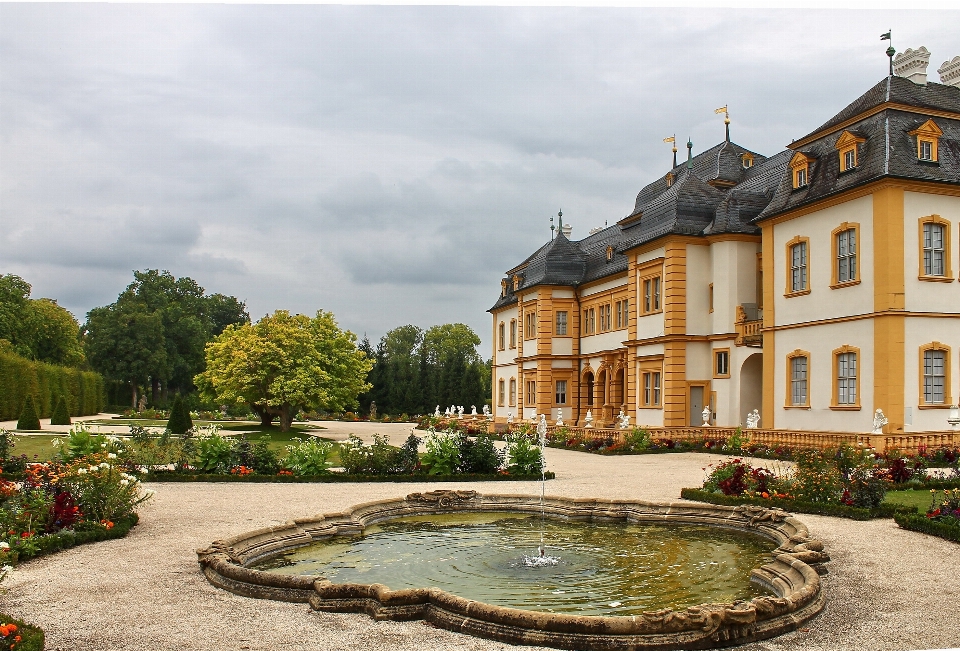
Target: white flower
[[111, 455], [103, 445], [4, 545], [105, 465], [124, 482], [81, 471], [93, 467], [56, 442]]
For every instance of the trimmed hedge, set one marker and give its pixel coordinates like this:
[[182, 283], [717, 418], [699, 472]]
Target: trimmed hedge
[[180, 421], [938, 484], [28, 417], [55, 542], [31, 637], [21, 377], [921, 523], [813, 508], [61, 416], [333, 478]]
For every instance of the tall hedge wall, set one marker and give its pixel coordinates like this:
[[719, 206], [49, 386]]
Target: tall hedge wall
[[84, 390]]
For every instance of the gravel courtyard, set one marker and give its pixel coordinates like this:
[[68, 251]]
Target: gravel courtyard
[[887, 589]]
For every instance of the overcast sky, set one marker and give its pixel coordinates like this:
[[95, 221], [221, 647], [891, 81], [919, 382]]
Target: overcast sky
[[388, 164]]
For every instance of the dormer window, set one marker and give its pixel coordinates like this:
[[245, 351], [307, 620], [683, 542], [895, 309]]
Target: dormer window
[[747, 161], [503, 288], [516, 283], [800, 169], [669, 179], [847, 147], [928, 140], [609, 253]]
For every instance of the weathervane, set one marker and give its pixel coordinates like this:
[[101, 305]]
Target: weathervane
[[726, 118], [673, 139], [890, 50]]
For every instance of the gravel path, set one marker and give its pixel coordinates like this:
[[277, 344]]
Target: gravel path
[[887, 589]]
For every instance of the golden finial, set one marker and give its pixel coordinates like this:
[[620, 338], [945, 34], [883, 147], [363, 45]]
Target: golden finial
[[673, 139], [726, 118]]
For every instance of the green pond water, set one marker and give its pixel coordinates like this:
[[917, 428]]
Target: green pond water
[[602, 568]]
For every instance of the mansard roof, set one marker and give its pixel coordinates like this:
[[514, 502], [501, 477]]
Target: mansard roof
[[888, 149]]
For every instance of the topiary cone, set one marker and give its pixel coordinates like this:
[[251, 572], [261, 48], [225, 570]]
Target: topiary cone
[[28, 417], [61, 415], [180, 420]]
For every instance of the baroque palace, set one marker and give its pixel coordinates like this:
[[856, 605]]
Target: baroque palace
[[816, 285]]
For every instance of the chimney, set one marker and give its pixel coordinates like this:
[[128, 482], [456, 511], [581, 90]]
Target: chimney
[[912, 64], [950, 72], [567, 230]]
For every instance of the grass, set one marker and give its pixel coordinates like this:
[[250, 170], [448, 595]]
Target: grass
[[919, 499], [37, 447]]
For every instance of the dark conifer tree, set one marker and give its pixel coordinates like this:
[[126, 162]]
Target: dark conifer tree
[[28, 417]]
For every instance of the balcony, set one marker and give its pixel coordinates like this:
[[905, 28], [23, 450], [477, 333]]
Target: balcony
[[748, 324]]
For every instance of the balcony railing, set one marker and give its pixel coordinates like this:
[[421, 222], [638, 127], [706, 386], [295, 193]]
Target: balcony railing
[[748, 324]]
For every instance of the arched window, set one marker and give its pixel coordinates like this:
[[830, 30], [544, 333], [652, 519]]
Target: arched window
[[502, 337], [798, 379], [513, 392]]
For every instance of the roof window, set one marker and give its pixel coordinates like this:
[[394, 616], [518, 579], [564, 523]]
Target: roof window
[[747, 161], [928, 139], [848, 148], [800, 170]]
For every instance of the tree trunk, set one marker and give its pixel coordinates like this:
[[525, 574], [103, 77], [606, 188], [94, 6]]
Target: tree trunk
[[154, 392], [286, 417], [133, 388], [266, 418]]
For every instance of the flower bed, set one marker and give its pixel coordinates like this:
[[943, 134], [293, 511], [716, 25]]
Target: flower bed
[[942, 518], [796, 506], [19, 636]]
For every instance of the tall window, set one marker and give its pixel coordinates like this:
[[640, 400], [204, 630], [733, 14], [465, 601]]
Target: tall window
[[561, 392], [530, 325], [622, 313], [561, 323], [605, 319], [934, 373], [798, 267], [502, 335], [513, 333], [589, 321], [846, 255], [847, 379], [721, 363], [933, 249], [501, 391], [531, 393], [926, 150], [651, 295], [800, 177], [798, 381], [651, 388], [849, 159], [513, 392]]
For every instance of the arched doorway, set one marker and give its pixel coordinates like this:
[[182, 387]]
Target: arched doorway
[[751, 387]]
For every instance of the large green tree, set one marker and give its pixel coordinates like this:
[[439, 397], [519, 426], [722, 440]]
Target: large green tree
[[285, 363], [182, 319], [37, 329]]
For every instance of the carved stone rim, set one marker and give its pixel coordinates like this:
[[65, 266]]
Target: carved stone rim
[[793, 576]]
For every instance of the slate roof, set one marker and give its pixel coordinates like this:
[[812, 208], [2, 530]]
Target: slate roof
[[716, 194], [888, 151]]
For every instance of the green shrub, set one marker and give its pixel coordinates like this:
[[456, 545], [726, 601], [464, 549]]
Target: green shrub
[[636, 440], [795, 506], [103, 491], [215, 453], [263, 460], [20, 377], [817, 478], [28, 416], [308, 458], [442, 456], [523, 457], [180, 421], [480, 456], [61, 415]]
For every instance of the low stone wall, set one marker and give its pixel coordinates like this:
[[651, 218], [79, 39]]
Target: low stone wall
[[793, 576]]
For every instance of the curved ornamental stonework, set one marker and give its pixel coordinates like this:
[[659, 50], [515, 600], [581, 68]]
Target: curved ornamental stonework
[[792, 576]]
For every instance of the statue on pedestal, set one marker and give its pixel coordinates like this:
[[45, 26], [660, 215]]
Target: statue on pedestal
[[559, 422], [624, 420], [705, 415], [436, 412], [588, 421], [473, 410], [509, 417], [879, 420], [486, 410], [753, 419]]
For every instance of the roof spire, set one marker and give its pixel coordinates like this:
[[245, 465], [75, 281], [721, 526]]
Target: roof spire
[[673, 139], [726, 118], [552, 227], [689, 154], [560, 227], [890, 50]]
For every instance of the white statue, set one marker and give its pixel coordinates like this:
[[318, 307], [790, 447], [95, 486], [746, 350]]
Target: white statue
[[753, 419], [509, 417], [436, 412], [559, 422], [705, 415], [588, 421], [879, 420], [460, 411], [624, 420], [486, 410], [473, 411], [542, 430]]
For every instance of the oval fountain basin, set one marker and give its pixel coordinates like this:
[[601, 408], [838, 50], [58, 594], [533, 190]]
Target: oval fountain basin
[[604, 568]]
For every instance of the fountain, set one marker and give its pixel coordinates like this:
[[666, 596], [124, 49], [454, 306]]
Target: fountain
[[601, 543]]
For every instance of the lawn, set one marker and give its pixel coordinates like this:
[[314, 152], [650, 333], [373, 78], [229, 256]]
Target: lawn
[[37, 447], [919, 499]]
